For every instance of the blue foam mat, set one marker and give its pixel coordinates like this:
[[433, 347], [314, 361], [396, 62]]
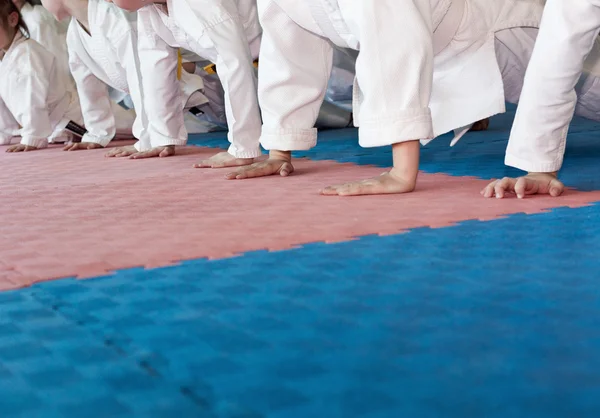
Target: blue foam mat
[[496, 319], [483, 319]]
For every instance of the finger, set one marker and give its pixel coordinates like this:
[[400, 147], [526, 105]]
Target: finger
[[488, 191], [112, 153], [203, 164], [330, 191], [254, 170], [286, 170], [361, 188], [556, 188], [167, 152], [504, 185], [67, 147], [146, 154], [261, 171], [524, 186]]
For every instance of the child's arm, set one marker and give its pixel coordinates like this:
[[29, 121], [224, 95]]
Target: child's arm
[[237, 74], [154, 87], [538, 138], [9, 127], [31, 111], [294, 69], [95, 106]]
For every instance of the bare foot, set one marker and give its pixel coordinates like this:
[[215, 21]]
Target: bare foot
[[160, 152], [122, 151], [482, 125], [532, 183], [387, 183], [20, 148], [279, 162], [222, 160], [74, 146]]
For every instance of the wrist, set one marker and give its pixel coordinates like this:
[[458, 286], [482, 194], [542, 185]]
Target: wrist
[[280, 155], [552, 174], [406, 161]]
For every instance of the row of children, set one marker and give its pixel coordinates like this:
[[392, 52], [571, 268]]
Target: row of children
[[422, 68]]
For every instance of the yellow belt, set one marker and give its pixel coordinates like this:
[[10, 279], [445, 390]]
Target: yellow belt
[[210, 69], [179, 64]]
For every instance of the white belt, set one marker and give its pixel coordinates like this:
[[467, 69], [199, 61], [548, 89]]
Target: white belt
[[321, 11]]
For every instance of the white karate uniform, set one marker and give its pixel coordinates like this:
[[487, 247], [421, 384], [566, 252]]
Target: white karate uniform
[[296, 61], [34, 99], [49, 33], [224, 32], [567, 46], [109, 58], [401, 91]]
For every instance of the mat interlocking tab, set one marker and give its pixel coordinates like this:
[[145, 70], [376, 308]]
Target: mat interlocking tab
[[81, 214]]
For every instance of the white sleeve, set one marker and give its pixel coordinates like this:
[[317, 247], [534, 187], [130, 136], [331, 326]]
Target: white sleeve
[[95, 104], [238, 77], [548, 99], [394, 70], [126, 47], [8, 125], [293, 72], [31, 111], [162, 91]]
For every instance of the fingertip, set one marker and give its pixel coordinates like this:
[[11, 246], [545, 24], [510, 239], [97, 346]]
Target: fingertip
[[520, 196]]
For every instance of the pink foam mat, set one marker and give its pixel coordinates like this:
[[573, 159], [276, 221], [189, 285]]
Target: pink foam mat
[[81, 214]]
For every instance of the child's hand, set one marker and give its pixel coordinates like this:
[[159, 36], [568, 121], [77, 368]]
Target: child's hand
[[160, 152], [532, 183], [279, 162], [133, 153], [222, 160], [121, 151], [81, 145], [20, 148], [387, 183]]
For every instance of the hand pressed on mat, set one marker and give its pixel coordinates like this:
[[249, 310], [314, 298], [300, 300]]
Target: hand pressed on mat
[[402, 178], [132, 153], [74, 146], [223, 160], [21, 148], [279, 162], [532, 183]]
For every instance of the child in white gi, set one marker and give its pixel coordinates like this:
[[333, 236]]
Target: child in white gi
[[35, 102], [224, 32], [102, 43], [398, 98], [567, 37], [52, 35]]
